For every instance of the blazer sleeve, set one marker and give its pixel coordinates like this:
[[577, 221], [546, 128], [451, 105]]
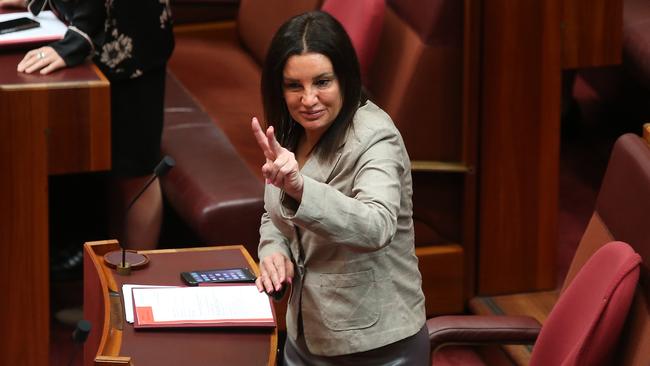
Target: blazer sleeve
[[85, 29], [367, 219], [271, 239]]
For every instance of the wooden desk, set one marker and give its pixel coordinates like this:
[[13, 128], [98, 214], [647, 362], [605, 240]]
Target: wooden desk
[[112, 340], [52, 124]]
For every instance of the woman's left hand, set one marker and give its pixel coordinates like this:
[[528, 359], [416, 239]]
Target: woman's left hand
[[281, 168], [44, 59]]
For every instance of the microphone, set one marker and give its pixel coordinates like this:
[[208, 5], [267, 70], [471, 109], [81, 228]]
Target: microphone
[[79, 336], [163, 167]]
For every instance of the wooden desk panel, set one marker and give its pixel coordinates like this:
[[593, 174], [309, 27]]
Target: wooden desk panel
[[24, 309], [112, 338], [33, 107], [75, 104]]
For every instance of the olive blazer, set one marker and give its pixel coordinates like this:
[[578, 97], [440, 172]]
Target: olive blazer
[[357, 285]]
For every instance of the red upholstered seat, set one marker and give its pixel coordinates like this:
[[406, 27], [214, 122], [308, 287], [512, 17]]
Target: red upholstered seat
[[211, 188], [585, 323], [362, 20], [586, 320], [583, 327], [454, 355]]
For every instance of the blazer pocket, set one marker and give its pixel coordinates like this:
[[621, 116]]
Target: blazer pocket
[[350, 300]]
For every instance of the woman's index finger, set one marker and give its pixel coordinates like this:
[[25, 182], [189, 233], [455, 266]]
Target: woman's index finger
[[261, 139]]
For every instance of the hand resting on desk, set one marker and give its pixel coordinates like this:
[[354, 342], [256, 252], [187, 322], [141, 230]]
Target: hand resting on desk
[[276, 271], [44, 59]]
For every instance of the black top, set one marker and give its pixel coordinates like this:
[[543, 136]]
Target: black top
[[124, 37]]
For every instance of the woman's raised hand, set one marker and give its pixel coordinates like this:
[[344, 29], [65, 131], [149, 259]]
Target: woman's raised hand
[[281, 168]]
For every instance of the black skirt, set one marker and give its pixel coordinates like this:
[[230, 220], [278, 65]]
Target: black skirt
[[136, 123]]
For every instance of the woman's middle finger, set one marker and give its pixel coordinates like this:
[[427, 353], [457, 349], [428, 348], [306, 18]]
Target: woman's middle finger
[[34, 60], [267, 283], [37, 64], [270, 275], [271, 170], [283, 165], [278, 262]]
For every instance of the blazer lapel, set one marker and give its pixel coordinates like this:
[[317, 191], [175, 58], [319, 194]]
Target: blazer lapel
[[321, 171]]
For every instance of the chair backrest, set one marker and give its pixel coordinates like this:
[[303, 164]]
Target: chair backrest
[[362, 20], [622, 212], [584, 325], [417, 77], [257, 21]]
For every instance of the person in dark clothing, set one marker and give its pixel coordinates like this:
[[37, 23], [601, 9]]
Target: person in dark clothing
[[131, 42]]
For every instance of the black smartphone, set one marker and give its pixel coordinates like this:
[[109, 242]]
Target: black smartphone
[[18, 24], [193, 278]]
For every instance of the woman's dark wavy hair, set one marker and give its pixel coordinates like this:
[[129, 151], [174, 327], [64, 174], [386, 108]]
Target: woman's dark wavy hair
[[316, 32]]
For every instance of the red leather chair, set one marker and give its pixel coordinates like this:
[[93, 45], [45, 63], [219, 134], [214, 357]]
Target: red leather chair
[[362, 20], [582, 328], [620, 214]]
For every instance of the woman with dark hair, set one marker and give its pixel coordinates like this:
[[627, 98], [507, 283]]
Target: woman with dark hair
[[338, 224]]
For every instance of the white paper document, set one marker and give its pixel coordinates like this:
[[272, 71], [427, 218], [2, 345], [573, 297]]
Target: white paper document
[[231, 305], [128, 300], [51, 29]]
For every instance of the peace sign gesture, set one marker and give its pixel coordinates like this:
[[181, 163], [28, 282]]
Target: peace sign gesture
[[281, 168]]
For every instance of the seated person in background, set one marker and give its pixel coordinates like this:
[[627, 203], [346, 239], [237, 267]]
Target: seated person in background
[[338, 224], [130, 41]]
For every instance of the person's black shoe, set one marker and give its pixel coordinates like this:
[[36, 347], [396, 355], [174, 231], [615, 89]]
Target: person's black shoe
[[67, 265]]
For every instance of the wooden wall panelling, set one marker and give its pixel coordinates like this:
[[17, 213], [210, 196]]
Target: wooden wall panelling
[[592, 33], [454, 264], [469, 139], [519, 145], [442, 277]]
